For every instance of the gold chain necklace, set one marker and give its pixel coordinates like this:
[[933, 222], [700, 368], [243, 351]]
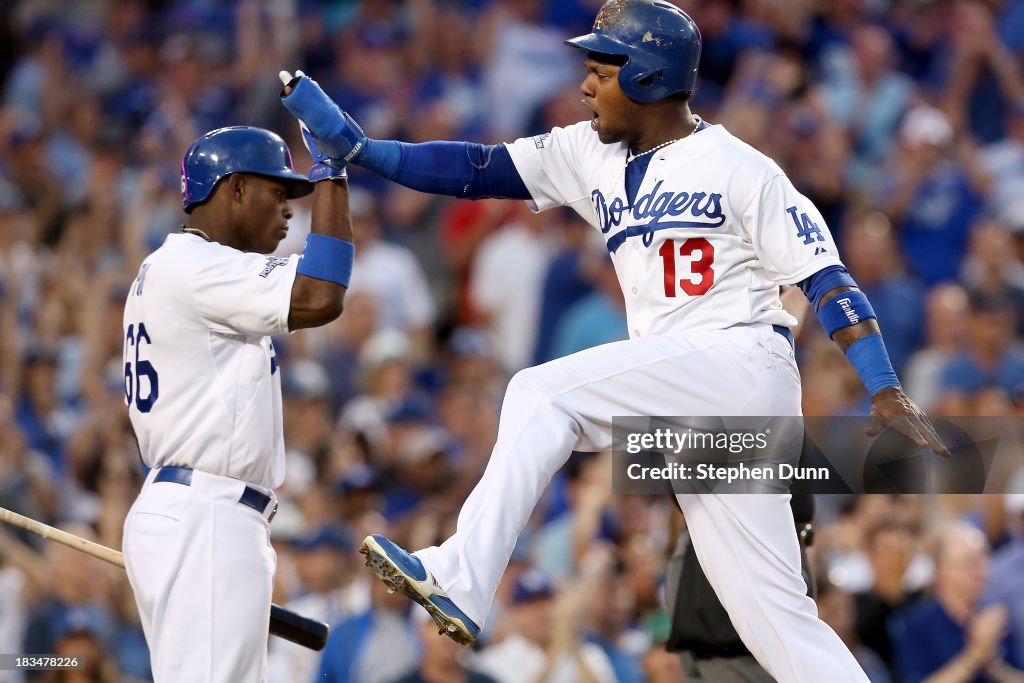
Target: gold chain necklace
[[197, 232], [632, 157]]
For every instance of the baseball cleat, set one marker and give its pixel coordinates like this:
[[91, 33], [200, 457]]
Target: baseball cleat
[[404, 572]]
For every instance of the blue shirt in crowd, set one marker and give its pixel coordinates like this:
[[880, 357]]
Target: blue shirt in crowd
[[934, 228], [925, 639], [963, 374]]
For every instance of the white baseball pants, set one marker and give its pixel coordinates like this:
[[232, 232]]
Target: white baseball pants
[[202, 570], [746, 543]]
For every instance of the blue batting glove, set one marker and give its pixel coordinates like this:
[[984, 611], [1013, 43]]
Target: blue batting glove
[[324, 168], [337, 134]]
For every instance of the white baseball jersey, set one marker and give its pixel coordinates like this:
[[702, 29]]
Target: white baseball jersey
[[700, 252], [201, 378], [715, 227]]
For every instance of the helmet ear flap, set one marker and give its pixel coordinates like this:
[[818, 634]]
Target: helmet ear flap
[[649, 79], [643, 83]]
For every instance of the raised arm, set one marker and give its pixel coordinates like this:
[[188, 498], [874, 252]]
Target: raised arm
[[458, 169], [322, 275], [321, 280]]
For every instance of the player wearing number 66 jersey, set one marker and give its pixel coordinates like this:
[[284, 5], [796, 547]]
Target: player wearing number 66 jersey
[[702, 230], [203, 389]]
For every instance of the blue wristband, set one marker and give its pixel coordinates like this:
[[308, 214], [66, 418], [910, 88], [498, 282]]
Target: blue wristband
[[869, 358], [844, 310], [327, 258]]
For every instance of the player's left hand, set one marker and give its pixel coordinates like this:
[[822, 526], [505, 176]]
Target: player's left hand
[[324, 168], [893, 409]]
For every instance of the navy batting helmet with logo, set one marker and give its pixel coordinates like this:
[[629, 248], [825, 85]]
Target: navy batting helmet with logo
[[660, 42], [237, 149]]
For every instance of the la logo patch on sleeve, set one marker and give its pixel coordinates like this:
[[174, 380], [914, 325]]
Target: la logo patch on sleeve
[[538, 140]]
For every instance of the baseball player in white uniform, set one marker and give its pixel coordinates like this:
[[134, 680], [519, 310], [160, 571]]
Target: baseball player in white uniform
[[702, 230], [203, 389]]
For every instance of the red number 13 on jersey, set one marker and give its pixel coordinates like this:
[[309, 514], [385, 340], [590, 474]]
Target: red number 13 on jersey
[[703, 255]]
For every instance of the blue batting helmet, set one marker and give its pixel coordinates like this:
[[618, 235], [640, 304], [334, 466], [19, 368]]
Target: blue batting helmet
[[237, 149], [660, 42]]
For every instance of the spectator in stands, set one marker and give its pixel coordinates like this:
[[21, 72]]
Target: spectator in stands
[[836, 608], [323, 562], [362, 647], [610, 628], [344, 343], [80, 635], [992, 266], [45, 423], [866, 81], [308, 421], [890, 548], [599, 317], [387, 382], [727, 37], [930, 196], [945, 330], [949, 636], [544, 643], [1006, 580], [443, 660], [514, 258], [392, 275], [1003, 161], [565, 283], [991, 357], [980, 77], [515, 41], [872, 257]]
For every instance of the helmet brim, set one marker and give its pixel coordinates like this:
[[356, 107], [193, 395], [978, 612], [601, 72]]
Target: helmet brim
[[596, 42], [297, 184]]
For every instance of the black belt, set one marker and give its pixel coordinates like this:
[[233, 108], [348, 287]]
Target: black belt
[[785, 332], [251, 497]]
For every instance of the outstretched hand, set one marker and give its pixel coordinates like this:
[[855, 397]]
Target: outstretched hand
[[893, 409], [324, 167], [337, 134]]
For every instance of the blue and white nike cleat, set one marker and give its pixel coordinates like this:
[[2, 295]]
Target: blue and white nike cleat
[[403, 572]]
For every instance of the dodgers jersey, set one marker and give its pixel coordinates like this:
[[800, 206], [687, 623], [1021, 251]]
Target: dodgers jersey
[[714, 230], [201, 379]]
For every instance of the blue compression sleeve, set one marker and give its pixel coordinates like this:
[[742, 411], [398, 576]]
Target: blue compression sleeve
[[458, 169], [823, 282]]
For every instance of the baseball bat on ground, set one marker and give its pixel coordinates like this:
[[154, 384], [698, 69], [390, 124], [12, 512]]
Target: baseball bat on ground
[[283, 623]]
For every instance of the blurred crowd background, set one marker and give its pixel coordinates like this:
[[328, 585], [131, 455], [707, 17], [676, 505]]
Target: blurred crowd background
[[903, 120]]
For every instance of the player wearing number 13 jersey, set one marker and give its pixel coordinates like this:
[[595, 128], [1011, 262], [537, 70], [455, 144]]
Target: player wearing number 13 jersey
[[703, 230]]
